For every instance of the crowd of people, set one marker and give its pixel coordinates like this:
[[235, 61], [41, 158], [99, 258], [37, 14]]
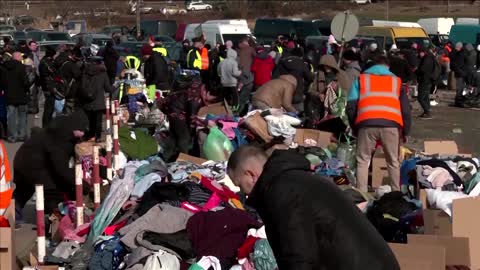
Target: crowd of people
[[360, 90]]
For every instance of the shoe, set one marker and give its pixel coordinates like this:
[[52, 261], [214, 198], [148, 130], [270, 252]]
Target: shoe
[[425, 116], [433, 103]]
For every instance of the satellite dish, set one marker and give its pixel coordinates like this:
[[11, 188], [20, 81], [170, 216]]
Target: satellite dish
[[345, 26]]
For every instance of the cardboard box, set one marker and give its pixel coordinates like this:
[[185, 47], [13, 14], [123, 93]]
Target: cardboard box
[[322, 138], [419, 257], [466, 223], [457, 250], [380, 175], [195, 160], [442, 148], [7, 241], [437, 222], [220, 108]]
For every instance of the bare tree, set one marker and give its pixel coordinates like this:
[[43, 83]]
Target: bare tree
[[63, 8]]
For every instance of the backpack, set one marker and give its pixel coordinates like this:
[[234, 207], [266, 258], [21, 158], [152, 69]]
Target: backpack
[[62, 87], [437, 70], [86, 93]]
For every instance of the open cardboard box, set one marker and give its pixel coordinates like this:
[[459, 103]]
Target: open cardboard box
[[322, 138], [195, 160], [220, 108], [465, 223], [457, 249], [7, 240], [442, 148]]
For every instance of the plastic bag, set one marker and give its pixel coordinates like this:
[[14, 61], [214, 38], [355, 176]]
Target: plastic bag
[[58, 107], [217, 146]]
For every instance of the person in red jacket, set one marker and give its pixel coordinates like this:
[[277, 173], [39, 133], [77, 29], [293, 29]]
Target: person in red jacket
[[262, 67]]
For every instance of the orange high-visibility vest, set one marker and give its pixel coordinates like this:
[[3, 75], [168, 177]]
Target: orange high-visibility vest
[[6, 190], [204, 56], [379, 98]]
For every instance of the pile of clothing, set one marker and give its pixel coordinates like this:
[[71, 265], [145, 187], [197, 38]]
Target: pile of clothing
[[161, 215]]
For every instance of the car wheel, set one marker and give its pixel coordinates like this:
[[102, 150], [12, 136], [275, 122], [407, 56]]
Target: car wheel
[[193, 9], [208, 8]]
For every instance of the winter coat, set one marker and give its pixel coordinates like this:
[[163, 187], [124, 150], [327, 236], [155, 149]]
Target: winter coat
[[470, 59], [69, 70], [310, 223], [47, 73], [96, 78], [457, 63], [297, 67], [278, 93], [354, 95], [110, 58], [156, 71], [319, 86], [228, 70], [425, 68], [400, 68], [245, 57], [262, 68], [352, 70], [45, 157], [17, 85]]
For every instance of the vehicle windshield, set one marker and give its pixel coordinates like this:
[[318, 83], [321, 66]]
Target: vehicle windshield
[[235, 38], [19, 35], [100, 41], [57, 36], [6, 28], [37, 36], [406, 43]]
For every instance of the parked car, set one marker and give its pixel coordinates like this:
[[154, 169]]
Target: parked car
[[164, 39], [198, 6], [19, 36], [110, 29], [173, 10], [4, 28], [2, 37], [24, 20], [42, 36], [105, 12], [361, 1]]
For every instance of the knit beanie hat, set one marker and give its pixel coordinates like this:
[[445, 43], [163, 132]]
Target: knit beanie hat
[[350, 56]]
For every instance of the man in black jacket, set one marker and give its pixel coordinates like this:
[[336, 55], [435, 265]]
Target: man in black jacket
[[310, 223], [17, 98], [296, 66], [424, 78], [47, 158], [47, 76], [457, 65], [67, 67], [156, 70]]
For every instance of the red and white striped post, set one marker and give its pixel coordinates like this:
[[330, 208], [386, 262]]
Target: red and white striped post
[[117, 106], [108, 142], [96, 177], [79, 193], [116, 145], [107, 114], [40, 209], [112, 108]]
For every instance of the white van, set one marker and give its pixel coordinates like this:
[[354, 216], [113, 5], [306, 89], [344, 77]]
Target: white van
[[218, 33], [233, 22], [467, 21], [435, 26]]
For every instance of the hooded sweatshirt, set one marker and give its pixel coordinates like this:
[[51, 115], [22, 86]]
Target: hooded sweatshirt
[[300, 211], [295, 66], [44, 157], [354, 95], [17, 85], [228, 69], [262, 68], [95, 78]]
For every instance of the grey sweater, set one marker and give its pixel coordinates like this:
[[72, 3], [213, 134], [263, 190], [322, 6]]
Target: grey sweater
[[228, 69]]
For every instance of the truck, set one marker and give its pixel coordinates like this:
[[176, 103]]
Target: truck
[[465, 34], [218, 32], [437, 29], [158, 27]]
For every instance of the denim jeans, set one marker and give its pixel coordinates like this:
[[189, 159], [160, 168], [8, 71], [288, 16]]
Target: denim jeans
[[17, 122]]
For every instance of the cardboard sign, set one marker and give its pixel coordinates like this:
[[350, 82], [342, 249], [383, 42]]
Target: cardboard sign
[[7, 243], [220, 108], [195, 160], [321, 138], [456, 248], [419, 257], [466, 223], [442, 148]]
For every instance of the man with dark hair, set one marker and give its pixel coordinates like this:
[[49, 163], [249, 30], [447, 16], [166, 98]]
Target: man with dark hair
[[378, 109], [309, 223], [425, 79], [296, 66], [47, 76], [67, 68]]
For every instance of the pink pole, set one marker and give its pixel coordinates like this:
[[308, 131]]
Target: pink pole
[[39, 206], [79, 193], [96, 177]]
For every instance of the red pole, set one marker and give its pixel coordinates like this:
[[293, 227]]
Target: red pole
[[116, 112], [96, 177], [39, 206], [107, 114], [109, 156], [116, 146], [79, 193]]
